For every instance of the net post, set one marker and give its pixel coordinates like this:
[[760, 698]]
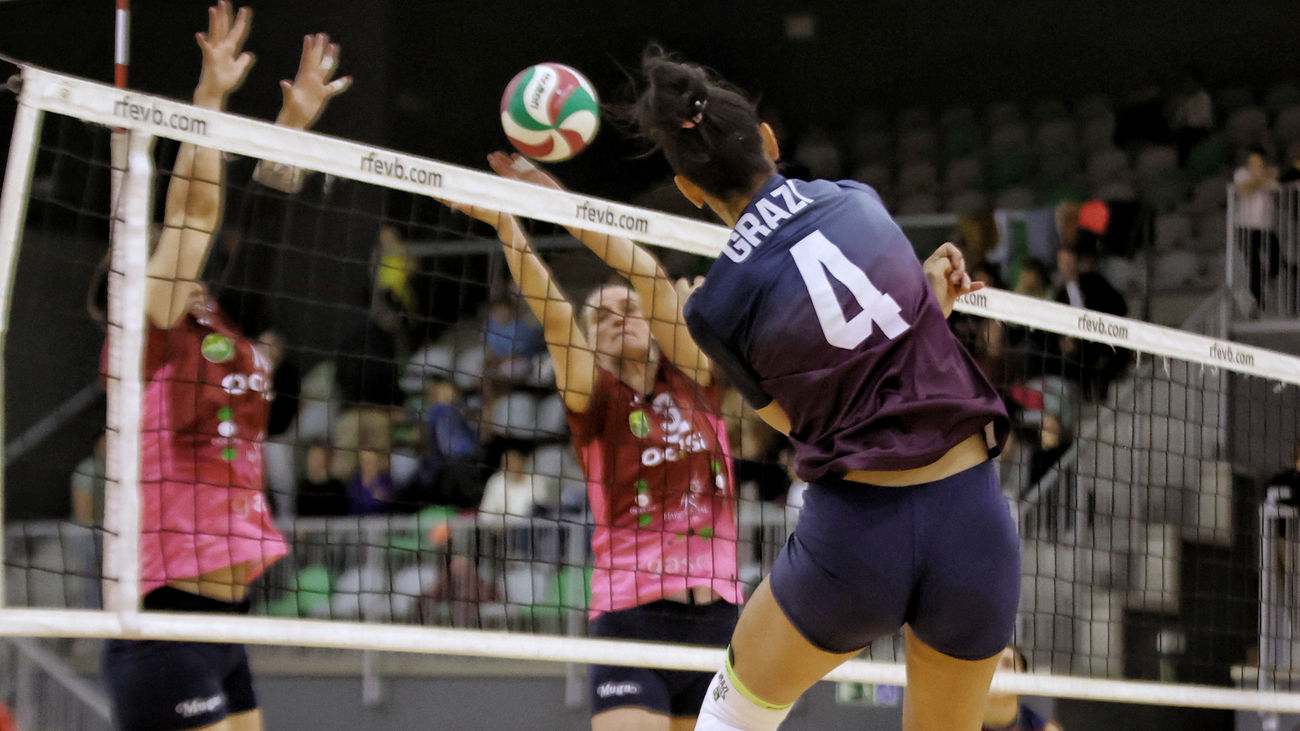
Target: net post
[[13, 213], [125, 385]]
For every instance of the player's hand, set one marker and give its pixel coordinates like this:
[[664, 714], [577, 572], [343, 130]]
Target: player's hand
[[518, 167], [686, 287], [946, 270], [225, 63], [314, 85]]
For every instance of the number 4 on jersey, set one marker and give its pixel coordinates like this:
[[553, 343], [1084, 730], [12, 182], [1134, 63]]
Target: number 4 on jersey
[[815, 255]]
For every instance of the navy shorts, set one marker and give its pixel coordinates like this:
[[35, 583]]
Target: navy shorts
[[156, 685], [677, 693], [942, 557]]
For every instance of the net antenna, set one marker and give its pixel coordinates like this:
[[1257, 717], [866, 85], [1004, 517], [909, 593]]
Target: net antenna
[[146, 118]]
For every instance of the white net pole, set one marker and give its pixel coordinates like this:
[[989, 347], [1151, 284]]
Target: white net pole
[[125, 384]]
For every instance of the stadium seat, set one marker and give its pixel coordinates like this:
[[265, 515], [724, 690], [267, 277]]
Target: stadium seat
[[998, 114], [1116, 190], [1093, 106], [557, 462], [1230, 99], [913, 118], [956, 115], [967, 202], [1281, 96], [1097, 134], [1287, 126], [469, 368], [1154, 162], [433, 361], [1209, 157], [918, 144], [1212, 226], [1047, 110], [1164, 192], [962, 140], [1057, 169], [877, 176], [1008, 138], [1174, 269], [963, 173], [1010, 170], [917, 177], [918, 204], [515, 416], [1173, 231], [1105, 166], [874, 147], [1208, 195], [1056, 137], [1248, 126], [552, 420], [1015, 198]]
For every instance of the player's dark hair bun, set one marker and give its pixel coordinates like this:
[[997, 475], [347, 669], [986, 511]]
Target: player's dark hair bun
[[707, 129]]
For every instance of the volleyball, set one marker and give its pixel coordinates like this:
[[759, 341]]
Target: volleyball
[[550, 112]]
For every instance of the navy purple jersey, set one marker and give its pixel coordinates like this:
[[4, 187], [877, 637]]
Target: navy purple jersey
[[818, 303]]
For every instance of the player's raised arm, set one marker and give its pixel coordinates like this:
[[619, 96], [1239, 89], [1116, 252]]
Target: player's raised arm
[[192, 211], [571, 354], [662, 300]]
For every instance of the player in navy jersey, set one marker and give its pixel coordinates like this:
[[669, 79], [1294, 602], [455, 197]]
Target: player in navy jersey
[[821, 316]]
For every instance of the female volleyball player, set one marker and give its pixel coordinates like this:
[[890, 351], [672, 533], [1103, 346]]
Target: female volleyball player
[[648, 430], [820, 314], [205, 528]]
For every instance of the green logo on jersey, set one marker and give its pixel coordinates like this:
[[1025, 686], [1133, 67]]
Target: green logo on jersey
[[641, 486], [217, 348], [639, 423], [644, 520], [229, 454]]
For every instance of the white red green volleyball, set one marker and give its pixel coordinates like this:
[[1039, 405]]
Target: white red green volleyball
[[550, 112]]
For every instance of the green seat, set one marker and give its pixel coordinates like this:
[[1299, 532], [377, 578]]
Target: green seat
[[1165, 192], [311, 588], [569, 590], [1010, 170], [1209, 157], [962, 140]]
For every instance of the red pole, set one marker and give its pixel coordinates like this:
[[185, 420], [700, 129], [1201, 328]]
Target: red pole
[[122, 42]]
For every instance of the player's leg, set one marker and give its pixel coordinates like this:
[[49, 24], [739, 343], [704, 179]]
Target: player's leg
[[842, 579], [965, 608], [630, 719], [944, 692]]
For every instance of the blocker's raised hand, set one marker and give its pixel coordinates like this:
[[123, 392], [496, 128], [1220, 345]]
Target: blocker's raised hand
[[314, 85], [225, 62]]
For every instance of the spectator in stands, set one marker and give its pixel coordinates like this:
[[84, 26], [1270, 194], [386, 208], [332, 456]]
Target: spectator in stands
[[512, 490], [1292, 172], [1191, 114], [1005, 712], [1290, 478], [1034, 279], [513, 339], [286, 382], [371, 488], [367, 372], [451, 470], [1094, 365], [88, 479], [318, 492], [1256, 185]]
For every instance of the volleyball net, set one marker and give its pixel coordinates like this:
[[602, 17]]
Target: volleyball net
[[418, 459]]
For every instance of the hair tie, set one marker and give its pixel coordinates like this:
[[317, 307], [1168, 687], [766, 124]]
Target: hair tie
[[698, 107]]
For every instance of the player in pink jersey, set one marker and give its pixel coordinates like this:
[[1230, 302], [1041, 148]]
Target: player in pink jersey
[[206, 532], [648, 429]]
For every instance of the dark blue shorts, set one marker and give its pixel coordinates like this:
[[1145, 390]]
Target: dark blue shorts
[[156, 685], [677, 693], [942, 557]]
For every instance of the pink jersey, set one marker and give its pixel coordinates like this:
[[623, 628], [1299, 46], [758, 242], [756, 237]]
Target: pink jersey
[[206, 401], [661, 487]]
